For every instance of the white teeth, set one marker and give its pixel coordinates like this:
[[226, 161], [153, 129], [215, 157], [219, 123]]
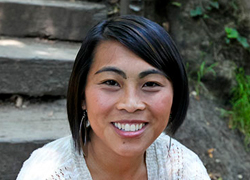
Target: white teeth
[[137, 127], [132, 127], [129, 127], [119, 126]]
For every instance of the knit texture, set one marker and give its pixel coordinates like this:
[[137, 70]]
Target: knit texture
[[59, 160]]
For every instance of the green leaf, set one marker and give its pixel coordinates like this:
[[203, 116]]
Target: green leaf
[[208, 8], [176, 4], [243, 42], [233, 4], [231, 33], [227, 40], [196, 12], [212, 71], [205, 16], [210, 68], [202, 67], [241, 104], [214, 4]]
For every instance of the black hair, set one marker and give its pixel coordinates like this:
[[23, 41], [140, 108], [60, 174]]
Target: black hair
[[146, 39]]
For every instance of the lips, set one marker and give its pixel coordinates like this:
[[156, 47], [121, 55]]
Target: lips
[[129, 127]]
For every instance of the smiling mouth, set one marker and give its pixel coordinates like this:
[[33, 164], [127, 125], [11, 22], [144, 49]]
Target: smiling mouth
[[129, 127]]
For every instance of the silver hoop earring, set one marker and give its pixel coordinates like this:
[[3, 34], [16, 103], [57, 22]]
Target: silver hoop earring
[[84, 124]]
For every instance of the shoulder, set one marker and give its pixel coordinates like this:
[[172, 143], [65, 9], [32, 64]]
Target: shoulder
[[185, 164], [46, 160]]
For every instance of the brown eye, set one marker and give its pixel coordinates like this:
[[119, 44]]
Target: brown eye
[[151, 84], [111, 83]]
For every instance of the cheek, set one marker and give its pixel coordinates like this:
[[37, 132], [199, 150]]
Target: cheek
[[162, 105], [98, 102]]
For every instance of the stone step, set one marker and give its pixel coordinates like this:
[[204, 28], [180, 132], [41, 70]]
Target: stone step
[[24, 129], [35, 67], [64, 20], [33, 121]]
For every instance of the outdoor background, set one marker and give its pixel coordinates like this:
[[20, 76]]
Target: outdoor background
[[39, 40]]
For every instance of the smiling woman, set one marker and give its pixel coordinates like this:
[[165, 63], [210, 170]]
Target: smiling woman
[[120, 97], [127, 86]]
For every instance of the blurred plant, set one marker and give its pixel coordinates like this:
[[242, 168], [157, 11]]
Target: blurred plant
[[196, 12], [235, 7], [214, 4], [202, 71], [234, 34], [201, 12], [176, 4], [239, 115]]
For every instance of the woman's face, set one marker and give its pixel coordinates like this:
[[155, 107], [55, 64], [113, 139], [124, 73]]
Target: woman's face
[[128, 101]]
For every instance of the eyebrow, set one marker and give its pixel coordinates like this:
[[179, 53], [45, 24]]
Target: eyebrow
[[112, 69], [151, 71], [121, 73]]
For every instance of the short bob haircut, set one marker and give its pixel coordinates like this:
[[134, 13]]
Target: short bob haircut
[[146, 39]]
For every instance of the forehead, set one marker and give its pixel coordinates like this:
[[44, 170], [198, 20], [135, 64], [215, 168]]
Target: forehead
[[114, 53]]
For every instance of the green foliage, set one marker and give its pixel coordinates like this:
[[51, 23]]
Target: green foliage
[[241, 105], [209, 8], [214, 4], [176, 4], [205, 16], [234, 5], [202, 71], [196, 12], [234, 34], [240, 114], [243, 42], [231, 33], [200, 12]]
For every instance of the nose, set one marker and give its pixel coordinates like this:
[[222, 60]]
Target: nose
[[131, 101]]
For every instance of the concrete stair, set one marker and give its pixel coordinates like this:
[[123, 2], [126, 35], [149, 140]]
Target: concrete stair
[[42, 67], [50, 19], [25, 129], [39, 40], [35, 67]]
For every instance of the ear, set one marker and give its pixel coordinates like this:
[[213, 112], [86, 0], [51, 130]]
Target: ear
[[84, 105]]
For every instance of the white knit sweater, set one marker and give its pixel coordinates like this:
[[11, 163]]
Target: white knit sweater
[[59, 160]]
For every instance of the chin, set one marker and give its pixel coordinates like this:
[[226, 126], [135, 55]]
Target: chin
[[130, 150]]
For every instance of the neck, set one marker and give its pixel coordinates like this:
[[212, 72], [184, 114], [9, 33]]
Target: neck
[[109, 165]]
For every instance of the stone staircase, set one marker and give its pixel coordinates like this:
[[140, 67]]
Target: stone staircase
[[42, 67], [39, 40]]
